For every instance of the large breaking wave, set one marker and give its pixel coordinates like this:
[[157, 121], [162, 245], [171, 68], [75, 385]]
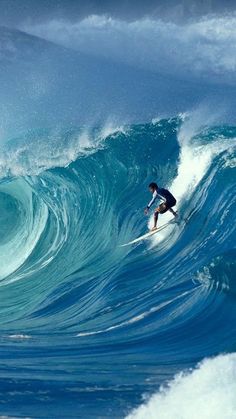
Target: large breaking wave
[[106, 324]]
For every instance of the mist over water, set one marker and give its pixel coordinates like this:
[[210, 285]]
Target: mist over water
[[91, 113], [188, 50], [103, 69]]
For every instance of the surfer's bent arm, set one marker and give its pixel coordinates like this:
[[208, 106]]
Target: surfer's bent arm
[[154, 197]]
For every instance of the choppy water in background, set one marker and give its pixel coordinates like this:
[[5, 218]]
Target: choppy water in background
[[91, 329]]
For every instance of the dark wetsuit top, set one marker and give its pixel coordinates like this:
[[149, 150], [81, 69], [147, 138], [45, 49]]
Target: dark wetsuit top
[[165, 196]]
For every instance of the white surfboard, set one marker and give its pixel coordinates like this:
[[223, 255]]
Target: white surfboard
[[149, 234]]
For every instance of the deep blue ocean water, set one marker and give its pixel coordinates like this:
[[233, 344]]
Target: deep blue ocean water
[[89, 329]]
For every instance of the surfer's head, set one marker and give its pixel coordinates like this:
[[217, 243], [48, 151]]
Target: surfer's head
[[153, 187]]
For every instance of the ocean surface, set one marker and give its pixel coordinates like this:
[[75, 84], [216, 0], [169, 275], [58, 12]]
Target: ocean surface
[[90, 329]]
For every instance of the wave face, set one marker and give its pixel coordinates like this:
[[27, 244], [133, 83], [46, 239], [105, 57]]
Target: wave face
[[88, 327]]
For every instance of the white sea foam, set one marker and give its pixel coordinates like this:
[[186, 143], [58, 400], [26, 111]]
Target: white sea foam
[[19, 336], [207, 392], [44, 153], [134, 319], [194, 161]]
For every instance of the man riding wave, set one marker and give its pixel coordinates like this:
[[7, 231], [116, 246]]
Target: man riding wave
[[164, 195]]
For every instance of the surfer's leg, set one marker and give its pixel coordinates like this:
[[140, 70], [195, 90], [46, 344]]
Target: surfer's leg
[[159, 210], [167, 206], [156, 213], [163, 208], [155, 218], [173, 212], [172, 204]]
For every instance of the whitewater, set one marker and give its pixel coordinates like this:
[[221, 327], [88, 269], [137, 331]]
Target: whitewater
[[90, 329]]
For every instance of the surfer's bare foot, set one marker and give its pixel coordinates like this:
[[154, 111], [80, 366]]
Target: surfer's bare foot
[[154, 228]]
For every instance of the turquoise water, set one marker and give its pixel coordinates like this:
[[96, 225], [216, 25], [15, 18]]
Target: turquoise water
[[88, 327]]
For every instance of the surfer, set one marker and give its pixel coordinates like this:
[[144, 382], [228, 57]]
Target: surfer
[[168, 199]]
